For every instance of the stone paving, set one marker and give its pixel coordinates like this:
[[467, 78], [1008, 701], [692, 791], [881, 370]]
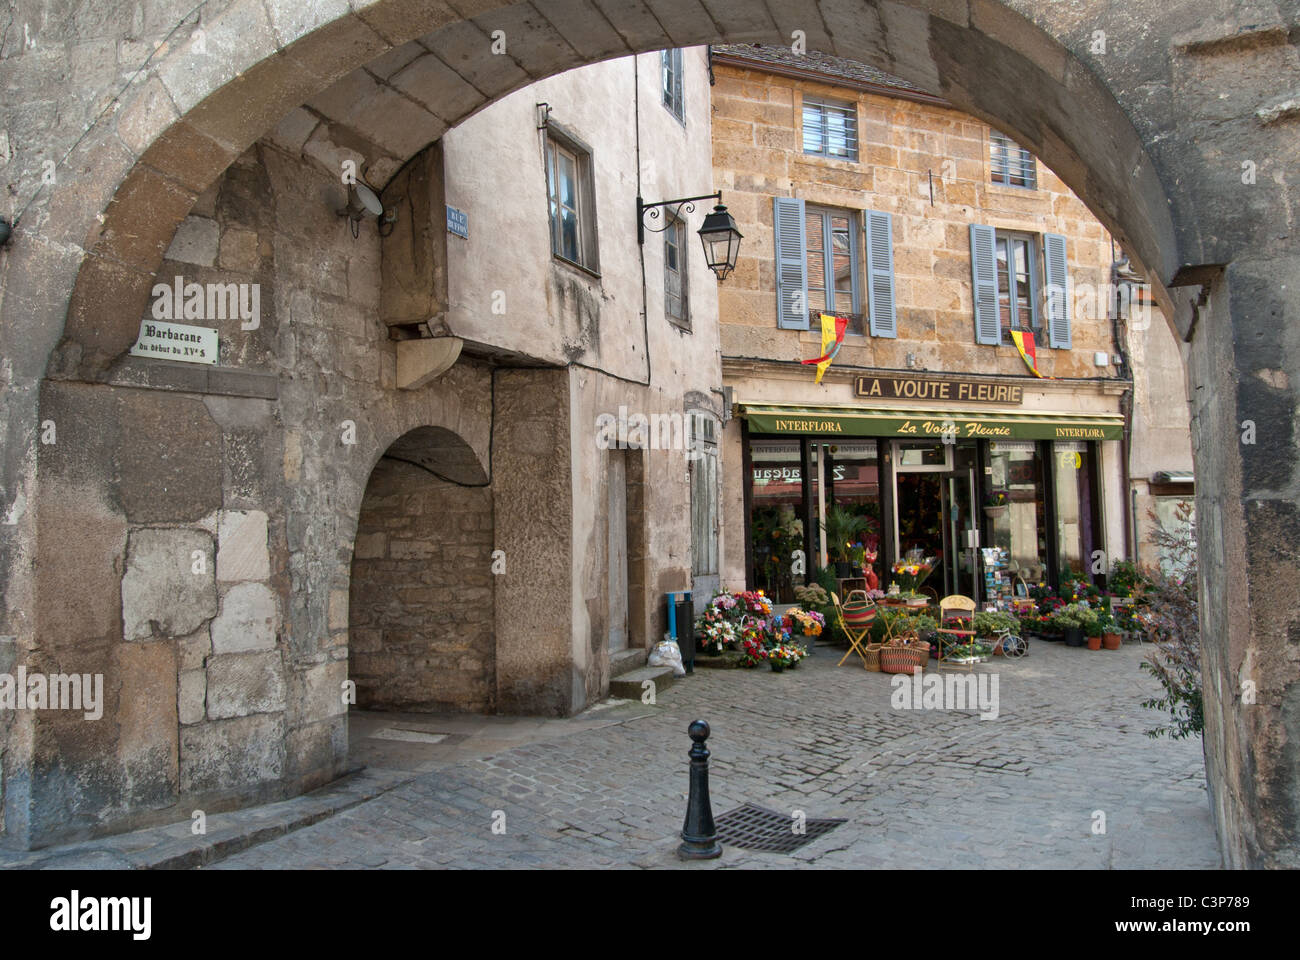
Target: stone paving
[[917, 788]]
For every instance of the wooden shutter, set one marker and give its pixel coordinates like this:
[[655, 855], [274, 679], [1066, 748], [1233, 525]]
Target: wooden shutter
[[880, 274], [984, 277], [791, 264], [1058, 291]]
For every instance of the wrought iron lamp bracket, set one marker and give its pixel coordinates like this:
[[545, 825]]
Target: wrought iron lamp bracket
[[685, 205]]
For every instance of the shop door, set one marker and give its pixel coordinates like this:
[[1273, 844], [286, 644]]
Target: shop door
[[934, 511], [960, 535]]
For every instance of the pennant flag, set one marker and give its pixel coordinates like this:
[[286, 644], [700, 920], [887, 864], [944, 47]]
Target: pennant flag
[[832, 337], [1024, 341]]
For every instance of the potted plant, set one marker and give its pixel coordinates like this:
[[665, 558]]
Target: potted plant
[[912, 572], [995, 504], [1110, 635], [1093, 629], [841, 528]]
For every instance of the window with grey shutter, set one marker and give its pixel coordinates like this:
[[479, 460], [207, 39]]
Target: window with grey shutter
[[880, 274], [984, 278], [1058, 291], [791, 268]]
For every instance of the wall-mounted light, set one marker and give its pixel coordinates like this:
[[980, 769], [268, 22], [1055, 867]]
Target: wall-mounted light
[[719, 235], [362, 202]]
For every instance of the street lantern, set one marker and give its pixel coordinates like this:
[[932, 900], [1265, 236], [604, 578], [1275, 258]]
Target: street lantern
[[721, 241], [719, 235]]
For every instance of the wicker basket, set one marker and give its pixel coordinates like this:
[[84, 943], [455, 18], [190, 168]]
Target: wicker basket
[[871, 658], [858, 613], [903, 659]]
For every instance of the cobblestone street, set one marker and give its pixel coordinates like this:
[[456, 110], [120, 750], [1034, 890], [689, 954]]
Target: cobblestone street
[[917, 788]]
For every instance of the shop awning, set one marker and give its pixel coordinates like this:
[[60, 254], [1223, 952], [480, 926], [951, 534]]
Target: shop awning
[[921, 424]]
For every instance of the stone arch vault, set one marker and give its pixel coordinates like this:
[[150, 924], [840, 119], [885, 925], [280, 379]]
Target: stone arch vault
[[1174, 123]]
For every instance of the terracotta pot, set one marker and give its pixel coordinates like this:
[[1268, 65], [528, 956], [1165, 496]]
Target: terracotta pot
[[1094, 643], [1110, 641]]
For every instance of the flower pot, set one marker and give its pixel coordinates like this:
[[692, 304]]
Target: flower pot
[[777, 667], [1094, 643], [917, 602], [843, 570], [993, 512], [793, 664], [1110, 641], [1074, 636]]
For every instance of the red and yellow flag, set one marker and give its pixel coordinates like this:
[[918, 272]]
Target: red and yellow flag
[[1024, 341], [832, 337]]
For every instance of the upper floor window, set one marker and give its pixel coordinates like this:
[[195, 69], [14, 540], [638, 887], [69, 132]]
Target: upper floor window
[[1021, 282], [671, 72], [1017, 259], [832, 258], [572, 207], [1012, 164], [675, 302], [830, 128]]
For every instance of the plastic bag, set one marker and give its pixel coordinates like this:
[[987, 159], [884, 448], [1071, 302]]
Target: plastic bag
[[666, 653]]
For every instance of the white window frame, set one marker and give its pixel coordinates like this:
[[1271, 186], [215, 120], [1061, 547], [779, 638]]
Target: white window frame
[[672, 83], [675, 235], [558, 145], [1006, 158], [824, 107]]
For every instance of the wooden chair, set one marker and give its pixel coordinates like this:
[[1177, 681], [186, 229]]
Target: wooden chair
[[858, 630], [962, 608]]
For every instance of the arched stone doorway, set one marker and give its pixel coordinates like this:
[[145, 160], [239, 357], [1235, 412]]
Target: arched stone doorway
[[421, 617], [1164, 119]]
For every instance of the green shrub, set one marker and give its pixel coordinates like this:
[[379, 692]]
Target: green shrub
[[991, 624]]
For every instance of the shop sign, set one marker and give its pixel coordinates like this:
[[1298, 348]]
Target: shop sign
[[935, 425], [934, 388]]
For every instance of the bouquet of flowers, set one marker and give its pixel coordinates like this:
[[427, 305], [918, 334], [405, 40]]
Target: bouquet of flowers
[[715, 635], [911, 572], [806, 622]]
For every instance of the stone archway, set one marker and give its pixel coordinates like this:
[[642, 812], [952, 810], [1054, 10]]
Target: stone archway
[[1163, 118], [421, 634]]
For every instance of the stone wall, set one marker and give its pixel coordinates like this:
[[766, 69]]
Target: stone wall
[[758, 155], [421, 610]]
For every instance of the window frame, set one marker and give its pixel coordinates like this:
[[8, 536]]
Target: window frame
[[1036, 283], [559, 141], [671, 64], [828, 279], [849, 108], [677, 228], [1000, 155]]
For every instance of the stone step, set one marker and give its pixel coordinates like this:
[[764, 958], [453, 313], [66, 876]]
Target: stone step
[[627, 686]]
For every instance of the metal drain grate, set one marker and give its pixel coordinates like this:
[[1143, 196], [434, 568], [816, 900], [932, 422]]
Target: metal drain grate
[[752, 827]]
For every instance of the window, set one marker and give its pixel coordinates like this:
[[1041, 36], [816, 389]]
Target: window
[[1017, 261], [832, 262], [830, 129], [675, 302], [572, 210], [671, 72], [1012, 164], [703, 461]]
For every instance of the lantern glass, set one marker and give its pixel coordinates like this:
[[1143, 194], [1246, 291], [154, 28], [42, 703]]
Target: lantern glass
[[721, 241]]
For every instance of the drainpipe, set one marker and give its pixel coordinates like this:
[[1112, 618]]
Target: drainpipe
[[1125, 405]]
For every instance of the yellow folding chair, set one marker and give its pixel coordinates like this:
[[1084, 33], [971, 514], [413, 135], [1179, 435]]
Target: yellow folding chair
[[856, 621], [961, 608]]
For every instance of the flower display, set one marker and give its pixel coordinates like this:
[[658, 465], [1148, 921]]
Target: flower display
[[807, 622], [723, 623], [912, 572]]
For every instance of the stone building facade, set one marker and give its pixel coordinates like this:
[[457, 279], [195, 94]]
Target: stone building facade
[[898, 179], [1166, 118], [388, 489]]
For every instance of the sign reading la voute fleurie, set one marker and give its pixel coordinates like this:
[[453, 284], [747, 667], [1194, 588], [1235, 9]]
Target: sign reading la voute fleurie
[[933, 388]]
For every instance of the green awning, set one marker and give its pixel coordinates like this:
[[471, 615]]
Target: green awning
[[921, 424]]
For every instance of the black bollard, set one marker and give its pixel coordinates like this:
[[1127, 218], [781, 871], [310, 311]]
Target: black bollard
[[699, 835]]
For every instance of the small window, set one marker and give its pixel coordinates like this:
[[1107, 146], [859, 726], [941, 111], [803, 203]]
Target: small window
[[832, 258], [830, 129], [1012, 164], [671, 71], [572, 211], [675, 300], [1017, 261]]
